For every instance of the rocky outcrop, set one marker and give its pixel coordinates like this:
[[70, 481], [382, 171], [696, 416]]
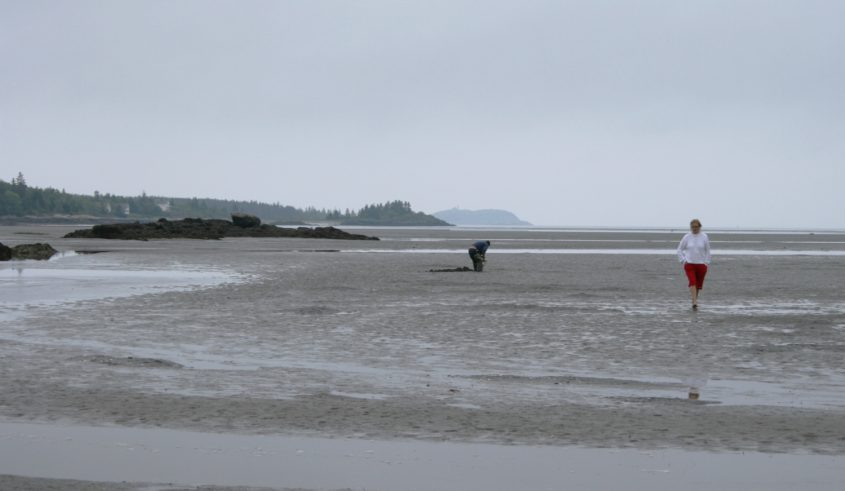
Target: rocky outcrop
[[5, 252], [27, 251], [198, 228], [33, 251], [245, 221]]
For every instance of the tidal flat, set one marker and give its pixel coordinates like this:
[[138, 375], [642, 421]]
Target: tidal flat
[[570, 340]]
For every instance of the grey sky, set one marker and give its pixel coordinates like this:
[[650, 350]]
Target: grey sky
[[566, 113]]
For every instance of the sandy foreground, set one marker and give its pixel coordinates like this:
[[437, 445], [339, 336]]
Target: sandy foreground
[[572, 347]]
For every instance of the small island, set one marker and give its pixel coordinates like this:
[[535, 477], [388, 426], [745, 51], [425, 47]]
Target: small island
[[391, 214]]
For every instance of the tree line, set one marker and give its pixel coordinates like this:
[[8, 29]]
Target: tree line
[[18, 199]]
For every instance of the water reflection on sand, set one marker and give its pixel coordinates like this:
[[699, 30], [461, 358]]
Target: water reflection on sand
[[70, 277]]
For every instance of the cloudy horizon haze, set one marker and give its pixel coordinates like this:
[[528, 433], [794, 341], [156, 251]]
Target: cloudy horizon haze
[[578, 113]]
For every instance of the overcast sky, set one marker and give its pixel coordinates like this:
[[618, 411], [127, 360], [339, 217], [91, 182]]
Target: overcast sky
[[606, 113]]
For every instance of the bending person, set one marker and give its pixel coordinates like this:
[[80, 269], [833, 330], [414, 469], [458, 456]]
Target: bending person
[[477, 253]]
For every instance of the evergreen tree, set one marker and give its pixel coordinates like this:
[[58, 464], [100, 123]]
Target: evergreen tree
[[19, 181]]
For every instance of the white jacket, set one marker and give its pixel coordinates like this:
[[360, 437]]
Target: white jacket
[[694, 249]]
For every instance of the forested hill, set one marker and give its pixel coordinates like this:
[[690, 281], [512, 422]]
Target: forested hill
[[18, 200]]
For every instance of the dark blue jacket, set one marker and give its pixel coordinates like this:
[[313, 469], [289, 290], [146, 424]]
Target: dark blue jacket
[[481, 246]]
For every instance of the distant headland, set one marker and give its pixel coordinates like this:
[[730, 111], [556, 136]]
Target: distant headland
[[480, 217]]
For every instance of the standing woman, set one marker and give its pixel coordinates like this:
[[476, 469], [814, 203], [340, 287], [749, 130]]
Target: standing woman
[[694, 253]]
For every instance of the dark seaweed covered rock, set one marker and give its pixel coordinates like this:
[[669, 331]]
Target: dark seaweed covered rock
[[5, 252], [198, 228], [33, 251], [245, 221]]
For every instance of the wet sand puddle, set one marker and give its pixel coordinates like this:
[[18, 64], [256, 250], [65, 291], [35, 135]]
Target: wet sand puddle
[[69, 277]]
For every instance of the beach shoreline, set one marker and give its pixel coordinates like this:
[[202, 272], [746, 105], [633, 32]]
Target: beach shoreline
[[559, 350]]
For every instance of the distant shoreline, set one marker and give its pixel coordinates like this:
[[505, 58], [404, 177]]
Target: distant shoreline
[[10, 220]]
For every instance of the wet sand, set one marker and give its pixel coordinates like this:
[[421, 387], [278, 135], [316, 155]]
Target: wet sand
[[311, 338], [331, 463]]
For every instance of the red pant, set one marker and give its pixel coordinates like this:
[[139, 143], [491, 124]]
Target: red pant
[[695, 274]]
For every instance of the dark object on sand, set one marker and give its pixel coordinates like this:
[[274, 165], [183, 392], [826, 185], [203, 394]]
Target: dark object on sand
[[453, 270], [131, 361], [27, 251], [197, 228]]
